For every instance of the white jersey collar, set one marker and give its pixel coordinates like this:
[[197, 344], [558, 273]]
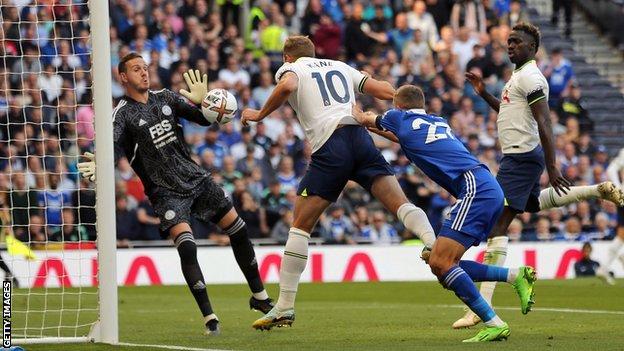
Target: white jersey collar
[[418, 111]]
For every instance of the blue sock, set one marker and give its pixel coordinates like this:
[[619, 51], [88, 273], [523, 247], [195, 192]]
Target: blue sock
[[483, 272], [458, 281]]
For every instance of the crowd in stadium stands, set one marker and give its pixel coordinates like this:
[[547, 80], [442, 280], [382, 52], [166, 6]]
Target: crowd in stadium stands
[[45, 97]]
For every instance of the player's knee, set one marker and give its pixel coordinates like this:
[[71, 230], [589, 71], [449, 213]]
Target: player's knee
[[439, 265], [187, 249]]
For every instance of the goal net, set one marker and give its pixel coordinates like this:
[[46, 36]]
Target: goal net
[[52, 238]]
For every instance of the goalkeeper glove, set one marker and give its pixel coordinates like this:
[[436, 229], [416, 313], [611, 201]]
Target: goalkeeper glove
[[197, 84], [87, 169]]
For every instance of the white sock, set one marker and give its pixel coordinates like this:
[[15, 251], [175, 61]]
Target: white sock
[[416, 221], [612, 253], [495, 322], [512, 275], [262, 295], [495, 254], [549, 198], [210, 317], [293, 264]]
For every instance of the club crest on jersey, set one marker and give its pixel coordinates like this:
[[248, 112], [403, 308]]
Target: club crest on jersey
[[166, 110], [169, 215]]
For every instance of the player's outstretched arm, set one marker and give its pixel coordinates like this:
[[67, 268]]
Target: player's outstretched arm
[[198, 88], [286, 86], [541, 113], [378, 88], [384, 133], [197, 84], [369, 120], [479, 87]]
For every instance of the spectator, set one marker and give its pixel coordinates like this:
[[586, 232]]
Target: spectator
[[603, 230], [463, 47], [281, 228], [338, 227], [148, 222], [586, 267], [261, 93], [567, 9], [417, 53], [253, 215], [420, 19], [514, 232], [286, 174], [212, 143], [356, 41], [274, 202], [573, 230], [327, 38], [69, 231], [126, 222], [233, 77], [469, 14], [21, 200], [53, 200], [380, 232], [560, 74], [515, 15]]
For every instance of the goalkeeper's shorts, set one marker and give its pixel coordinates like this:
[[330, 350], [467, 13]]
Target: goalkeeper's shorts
[[208, 203]]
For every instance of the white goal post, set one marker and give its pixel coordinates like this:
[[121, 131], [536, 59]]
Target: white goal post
[[103, 324]]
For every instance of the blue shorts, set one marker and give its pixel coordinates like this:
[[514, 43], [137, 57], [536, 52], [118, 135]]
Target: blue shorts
[[479, 203], [519, 176], [348, 154]]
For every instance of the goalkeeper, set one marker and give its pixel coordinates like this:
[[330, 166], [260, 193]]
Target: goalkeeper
[[147, 130]]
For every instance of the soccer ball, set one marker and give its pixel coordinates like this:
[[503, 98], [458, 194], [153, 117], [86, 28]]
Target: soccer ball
[[219, 106]]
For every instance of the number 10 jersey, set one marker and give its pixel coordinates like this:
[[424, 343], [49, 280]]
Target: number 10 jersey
[[324, 96]]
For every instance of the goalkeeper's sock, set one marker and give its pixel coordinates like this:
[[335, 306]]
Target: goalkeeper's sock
[[495, 255], [293, 264], [458, 281], [185, 243], [246, 257]]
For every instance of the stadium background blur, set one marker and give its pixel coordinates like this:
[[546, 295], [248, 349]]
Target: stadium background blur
[[431, 44]]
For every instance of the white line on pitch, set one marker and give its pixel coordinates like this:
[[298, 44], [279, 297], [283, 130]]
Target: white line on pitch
[[377, 305], [545, 309], [167, 347]]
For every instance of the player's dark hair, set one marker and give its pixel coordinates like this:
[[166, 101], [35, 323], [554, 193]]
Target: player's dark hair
[[121, 67], [299, 46], [531, 30], [410, 96]]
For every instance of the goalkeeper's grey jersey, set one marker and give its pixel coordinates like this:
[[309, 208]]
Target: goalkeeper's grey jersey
[[151, 138]]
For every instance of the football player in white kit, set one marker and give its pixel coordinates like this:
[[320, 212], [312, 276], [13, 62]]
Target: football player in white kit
[[614, 174], [322, 93], [528, 146]]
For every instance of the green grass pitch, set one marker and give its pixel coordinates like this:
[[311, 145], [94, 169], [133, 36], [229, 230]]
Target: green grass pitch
[[370, 316]]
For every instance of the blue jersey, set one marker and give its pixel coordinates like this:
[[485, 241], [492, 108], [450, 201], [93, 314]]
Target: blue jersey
[[429, 143]]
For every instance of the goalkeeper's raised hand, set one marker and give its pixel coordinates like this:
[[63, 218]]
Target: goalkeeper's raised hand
[[87, 169], [197, 84]]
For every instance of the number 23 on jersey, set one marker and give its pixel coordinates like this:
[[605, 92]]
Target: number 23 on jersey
[[433, 128]]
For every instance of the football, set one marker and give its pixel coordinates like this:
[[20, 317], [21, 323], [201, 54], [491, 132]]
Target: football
[[219, 106]]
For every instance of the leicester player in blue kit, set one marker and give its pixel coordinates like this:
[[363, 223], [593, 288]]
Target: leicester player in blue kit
[[428, 142]]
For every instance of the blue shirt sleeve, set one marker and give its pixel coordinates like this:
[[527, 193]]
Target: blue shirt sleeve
[[390, 121]]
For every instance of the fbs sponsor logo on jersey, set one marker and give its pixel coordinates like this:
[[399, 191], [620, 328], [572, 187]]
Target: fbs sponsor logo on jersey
[[162, 133]]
